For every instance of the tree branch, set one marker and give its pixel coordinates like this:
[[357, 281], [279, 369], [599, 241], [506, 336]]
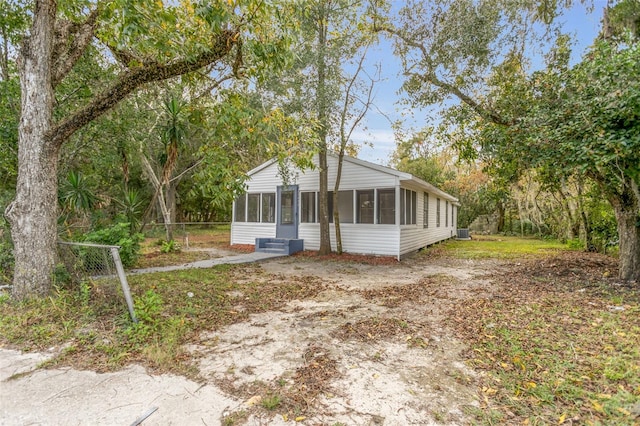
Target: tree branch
[[71, 41], [430, 77], [187, 170], [131, 79]]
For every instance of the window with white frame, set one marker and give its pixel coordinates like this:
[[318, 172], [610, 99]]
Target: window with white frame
[[365, 205], [414, 207], [308, 207], [446, 214], [241, 208], [425, 210], [387, 206], [453, 223], [408, 207], [268, 207], [345, 206], [253, 207], [438, 212]]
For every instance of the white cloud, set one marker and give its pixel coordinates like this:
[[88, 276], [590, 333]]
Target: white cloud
[[377, 145]]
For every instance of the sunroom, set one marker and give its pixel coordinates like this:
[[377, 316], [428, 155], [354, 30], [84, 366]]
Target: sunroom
[[382, 211]]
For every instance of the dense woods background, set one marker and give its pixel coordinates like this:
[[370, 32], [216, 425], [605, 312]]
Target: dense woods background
[[225, 85]]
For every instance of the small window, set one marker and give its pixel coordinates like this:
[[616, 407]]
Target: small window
[[414, 207], [241, 208], [446, 214], [438, 212], [387, 206], [308, 207], [268, 207], [453, 223], [403, 207], [425, 211], [366, 204]]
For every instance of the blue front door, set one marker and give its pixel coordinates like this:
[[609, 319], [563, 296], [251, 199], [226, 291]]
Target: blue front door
[[287, 222]]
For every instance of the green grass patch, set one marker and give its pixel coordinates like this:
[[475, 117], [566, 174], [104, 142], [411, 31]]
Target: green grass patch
[[172, 307], [156, 258], [500, 247], [556, 359]]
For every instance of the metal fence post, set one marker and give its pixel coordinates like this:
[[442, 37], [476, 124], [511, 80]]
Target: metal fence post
[[115, 252]]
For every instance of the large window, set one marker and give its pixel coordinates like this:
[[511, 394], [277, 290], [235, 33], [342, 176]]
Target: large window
[[308, 207], [345, 206], [253, 207], [268, 207], [241, 208], [425, 210], [387, 206], [438, 212], [366, 204], [256, 208]]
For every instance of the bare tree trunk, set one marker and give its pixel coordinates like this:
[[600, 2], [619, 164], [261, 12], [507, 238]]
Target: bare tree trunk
[[336, 210], [33, 213], [323, 204], [321, 93], [159, 195], [166, 215]]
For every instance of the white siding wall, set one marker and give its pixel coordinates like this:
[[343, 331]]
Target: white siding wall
[[414, 237], [247, 232], [356, 238]]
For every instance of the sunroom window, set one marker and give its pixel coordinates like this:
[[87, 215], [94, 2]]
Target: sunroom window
[[268, 207], [387, 206], [241, 208], [366, 203], [253, 207], [308, 207]]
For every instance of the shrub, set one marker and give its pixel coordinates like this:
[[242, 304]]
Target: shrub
[[6, 262], [118, 235], [6, 252], [170, 246]]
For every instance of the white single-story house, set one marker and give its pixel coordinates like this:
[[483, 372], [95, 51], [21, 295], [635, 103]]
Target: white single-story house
[[382, 211]]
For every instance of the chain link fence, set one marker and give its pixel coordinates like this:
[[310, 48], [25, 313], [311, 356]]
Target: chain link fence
[[97, 262]]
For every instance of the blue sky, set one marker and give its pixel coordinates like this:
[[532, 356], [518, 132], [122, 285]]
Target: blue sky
[[376, 129]]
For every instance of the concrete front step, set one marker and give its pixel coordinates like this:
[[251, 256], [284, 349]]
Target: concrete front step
[[278, 245]]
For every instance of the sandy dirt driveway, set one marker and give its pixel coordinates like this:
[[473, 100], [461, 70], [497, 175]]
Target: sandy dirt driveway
[[372, 348]]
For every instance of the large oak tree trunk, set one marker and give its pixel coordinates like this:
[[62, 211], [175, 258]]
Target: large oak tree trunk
[[627, 210], [33, 213]]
